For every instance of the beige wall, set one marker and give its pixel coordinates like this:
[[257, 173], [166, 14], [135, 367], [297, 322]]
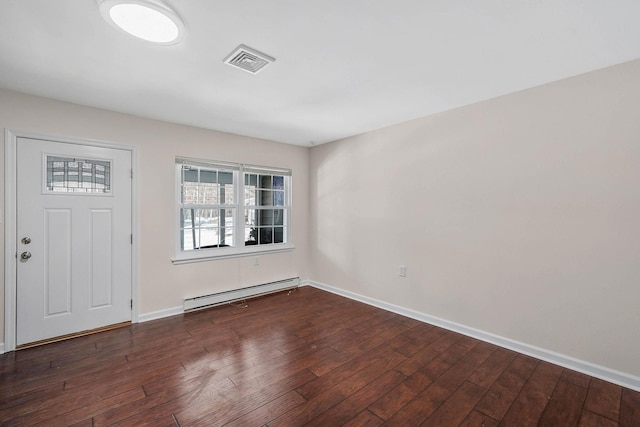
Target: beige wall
[[162, 284], [518, 216]]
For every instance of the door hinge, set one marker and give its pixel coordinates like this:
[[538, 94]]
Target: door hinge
[[131, 301], [131, 173], [132, 239]]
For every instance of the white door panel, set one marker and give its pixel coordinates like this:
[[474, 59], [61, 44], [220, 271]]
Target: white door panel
[[74, 204]]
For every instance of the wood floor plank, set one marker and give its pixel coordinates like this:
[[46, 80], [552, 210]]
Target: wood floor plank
[[379, 317], [437, 367], [604, 399], [576, 378], [261, 374], [11, 399], [155, 419], [424, 332], [391, 402], [330, 397], [31, 381], [492, 368], [630, 408], [344, 371], [428, 353], [408, 344], [93, 408], [309, 357], [269, 411], [429, 373], [589, 419], [364, 419], [478, 419], [162, 403], [428, 401], [206, 366], [347, 352], [458, 406], [220, 409], [534, 396], [65, 400], [358, 401], [565, 406], [71, 408], [83, 423], [507, 387]]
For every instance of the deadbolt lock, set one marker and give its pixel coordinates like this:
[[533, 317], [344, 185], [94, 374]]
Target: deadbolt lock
[[26, 240]]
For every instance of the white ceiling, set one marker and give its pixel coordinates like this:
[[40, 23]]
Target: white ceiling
[[343, 67]]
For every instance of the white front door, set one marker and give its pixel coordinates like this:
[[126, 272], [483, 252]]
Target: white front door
[[74, 257]]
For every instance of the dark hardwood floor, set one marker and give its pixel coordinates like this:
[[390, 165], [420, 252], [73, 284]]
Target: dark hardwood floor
[[309, 358]]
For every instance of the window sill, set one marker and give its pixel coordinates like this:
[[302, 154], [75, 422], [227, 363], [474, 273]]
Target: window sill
[[232, 253]]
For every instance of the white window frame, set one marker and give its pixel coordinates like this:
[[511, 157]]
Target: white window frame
[[239, 248]]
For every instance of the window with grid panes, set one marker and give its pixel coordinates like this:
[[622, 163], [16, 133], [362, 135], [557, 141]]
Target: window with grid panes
[[265, 209], [227, 209]]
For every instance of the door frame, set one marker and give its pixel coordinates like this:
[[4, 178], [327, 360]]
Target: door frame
[[10, 223]]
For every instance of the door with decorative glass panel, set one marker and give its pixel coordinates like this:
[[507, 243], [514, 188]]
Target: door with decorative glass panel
[[74, 259]]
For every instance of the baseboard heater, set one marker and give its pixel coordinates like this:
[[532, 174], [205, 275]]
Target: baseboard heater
[[206, 301]]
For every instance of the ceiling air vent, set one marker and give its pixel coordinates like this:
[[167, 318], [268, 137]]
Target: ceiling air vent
[[248, 59]]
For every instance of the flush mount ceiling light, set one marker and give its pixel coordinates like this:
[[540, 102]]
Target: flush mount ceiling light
[[150, 20]]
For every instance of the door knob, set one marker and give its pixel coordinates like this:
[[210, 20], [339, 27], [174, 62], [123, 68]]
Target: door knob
[[25, 255], [26, 240]]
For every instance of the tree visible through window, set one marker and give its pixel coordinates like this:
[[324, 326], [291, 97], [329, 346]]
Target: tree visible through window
[[229, 208], [264, 208], [207, 211]]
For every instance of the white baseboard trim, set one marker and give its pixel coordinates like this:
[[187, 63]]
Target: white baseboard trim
[[602, 372], [1, 348], [154, 315]]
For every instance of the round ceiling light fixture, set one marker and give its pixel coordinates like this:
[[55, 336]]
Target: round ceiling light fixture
[[149, 20]]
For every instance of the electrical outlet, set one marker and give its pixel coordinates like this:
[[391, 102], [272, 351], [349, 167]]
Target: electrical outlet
[[403, 271], [256, 261]]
